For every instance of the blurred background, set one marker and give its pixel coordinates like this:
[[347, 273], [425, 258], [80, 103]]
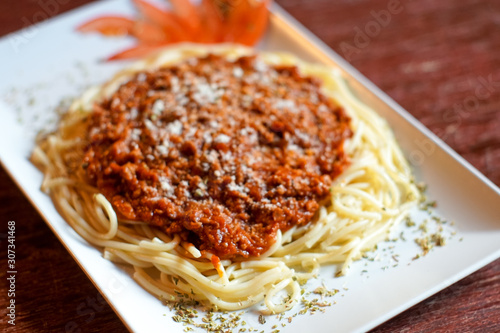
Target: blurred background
[[440, 60]]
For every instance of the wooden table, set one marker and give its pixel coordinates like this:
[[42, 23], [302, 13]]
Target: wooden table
[[432, 57]]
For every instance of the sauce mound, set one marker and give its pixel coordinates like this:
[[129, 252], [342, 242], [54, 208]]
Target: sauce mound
[[223, 153]]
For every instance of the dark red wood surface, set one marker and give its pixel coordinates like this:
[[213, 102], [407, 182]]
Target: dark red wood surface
[[432, 57]]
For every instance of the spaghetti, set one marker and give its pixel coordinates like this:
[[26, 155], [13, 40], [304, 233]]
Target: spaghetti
[[369, 197]]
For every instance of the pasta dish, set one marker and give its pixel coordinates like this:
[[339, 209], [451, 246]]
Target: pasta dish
[[226, 176]]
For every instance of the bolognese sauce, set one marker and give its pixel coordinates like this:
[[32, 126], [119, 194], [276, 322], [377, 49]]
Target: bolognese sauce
[[222, 153]]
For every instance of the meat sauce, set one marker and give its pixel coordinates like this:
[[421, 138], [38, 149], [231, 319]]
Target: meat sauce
[[222, 153]]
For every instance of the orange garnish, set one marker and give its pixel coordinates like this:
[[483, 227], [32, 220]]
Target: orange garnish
[[147, 33], [168, 21], [138, 51], [255, 26], [211, 21], [108, 25], [187, 12]]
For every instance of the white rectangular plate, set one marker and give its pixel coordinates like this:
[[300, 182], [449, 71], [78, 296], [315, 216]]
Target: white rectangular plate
[[51, 62]]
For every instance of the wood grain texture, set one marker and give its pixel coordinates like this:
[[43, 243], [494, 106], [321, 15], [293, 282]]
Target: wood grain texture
[[432, 57]]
